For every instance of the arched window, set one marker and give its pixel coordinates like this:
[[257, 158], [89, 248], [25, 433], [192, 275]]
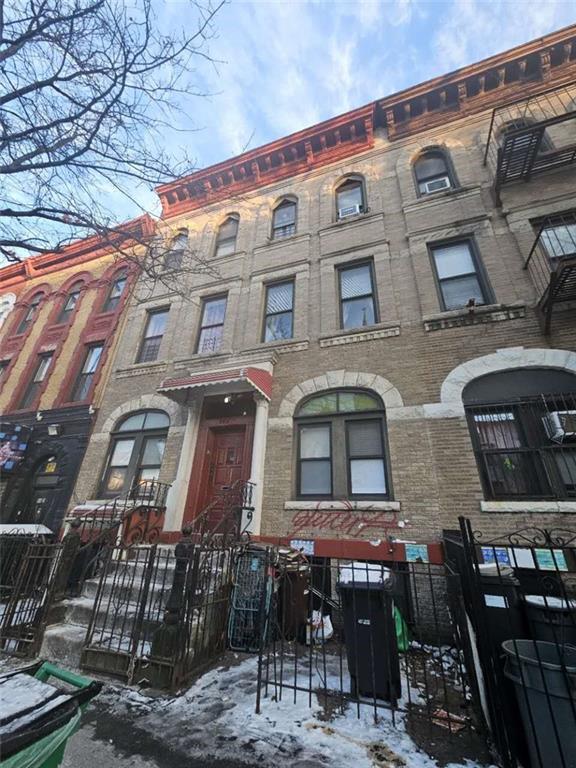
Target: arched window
[[136, 452], [341, 446], [69, 305], [175, 254], [433, 172], [284, 219], [227, 234], [523, 429], [350, 197], [30, 313], [116, 291]]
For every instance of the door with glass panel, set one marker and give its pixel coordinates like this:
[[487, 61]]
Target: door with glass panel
[[135, 454]]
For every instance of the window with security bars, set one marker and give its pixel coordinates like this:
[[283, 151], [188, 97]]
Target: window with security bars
[[278, 320], [357, 300], [558, 236], [226, 237], [153, 334], [212, 325], [341, 446], [526, 448], [85, 378], [460, 280], [284, 220], [38, 377], [69, 305]]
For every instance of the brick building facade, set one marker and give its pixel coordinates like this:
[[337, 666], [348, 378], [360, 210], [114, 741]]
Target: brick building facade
[[386, 336], [60, 313]]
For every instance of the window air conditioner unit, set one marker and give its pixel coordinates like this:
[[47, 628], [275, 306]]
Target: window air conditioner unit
[[437, 184], [560, 425], [351, 210]]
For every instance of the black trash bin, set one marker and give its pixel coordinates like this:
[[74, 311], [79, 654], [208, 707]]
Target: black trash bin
[[544, 677], [369, 631], [551, 619], [502, 604]]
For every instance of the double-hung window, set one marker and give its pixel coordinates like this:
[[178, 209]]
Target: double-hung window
[[30, 314], [85, 377], [558, 237], [153, 333], [350, 198], [226, 237], [341, 446], [115, 293], [69, 305], [432, 172], [278, 320], [357, 300], [460, 280], [38, 377], [212, 325], [3, 366], [284, 220]]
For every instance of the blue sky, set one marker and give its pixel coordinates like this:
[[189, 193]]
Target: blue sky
[[287, 65]]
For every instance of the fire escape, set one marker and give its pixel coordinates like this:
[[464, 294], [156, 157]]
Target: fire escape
[[531, 136], [552, 263]]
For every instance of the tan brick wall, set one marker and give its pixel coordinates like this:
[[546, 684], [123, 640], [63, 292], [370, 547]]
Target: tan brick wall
[[432, 465]]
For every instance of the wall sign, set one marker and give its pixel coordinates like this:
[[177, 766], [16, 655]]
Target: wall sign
[[306, 546], [416, 553]]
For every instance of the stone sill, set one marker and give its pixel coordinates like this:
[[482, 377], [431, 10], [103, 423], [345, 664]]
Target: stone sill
[[140, 369], [487, 313], [351, 221], [558, 507], [433, 198], [343, 506], [195, 360], [272, 245], [378, 331]]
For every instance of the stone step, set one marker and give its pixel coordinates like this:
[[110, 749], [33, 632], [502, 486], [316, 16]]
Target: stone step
[[62, 644]]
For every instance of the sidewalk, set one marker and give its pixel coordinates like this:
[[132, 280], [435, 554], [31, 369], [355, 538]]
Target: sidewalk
[[213, 725]]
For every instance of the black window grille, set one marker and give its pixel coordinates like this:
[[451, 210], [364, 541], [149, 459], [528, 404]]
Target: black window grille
[[526, 448], [153, 334]]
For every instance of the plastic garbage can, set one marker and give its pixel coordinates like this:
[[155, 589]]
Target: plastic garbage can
[[502, 604], [544, 677], [370, 630], [551, 618]]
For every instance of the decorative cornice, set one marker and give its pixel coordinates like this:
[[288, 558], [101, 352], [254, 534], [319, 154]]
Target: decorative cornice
[[368, 335], [480, 316], [517, 73]]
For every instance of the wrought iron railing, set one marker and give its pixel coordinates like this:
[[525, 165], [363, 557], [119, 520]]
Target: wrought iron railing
[[554, 248], [526, 137], [223, 517], [526, 448]]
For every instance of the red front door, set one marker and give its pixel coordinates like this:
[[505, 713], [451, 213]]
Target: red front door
[[223, 456]]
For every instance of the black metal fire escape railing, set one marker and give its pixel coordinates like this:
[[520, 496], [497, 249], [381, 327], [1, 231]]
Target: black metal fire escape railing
[[533, 135], [552, 262]]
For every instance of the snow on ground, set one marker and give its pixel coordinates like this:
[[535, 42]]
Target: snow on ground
[[216, 717]]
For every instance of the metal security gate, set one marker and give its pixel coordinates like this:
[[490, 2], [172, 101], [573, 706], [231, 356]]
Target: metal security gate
[[28, 572], [160, 614], [519, 592]]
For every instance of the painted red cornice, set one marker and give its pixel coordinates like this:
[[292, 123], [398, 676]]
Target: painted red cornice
[[520, 72], [77, 253]]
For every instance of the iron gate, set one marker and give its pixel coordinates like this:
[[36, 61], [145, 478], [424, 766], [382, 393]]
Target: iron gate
[[160, 614], [26, 590], [519, 590]]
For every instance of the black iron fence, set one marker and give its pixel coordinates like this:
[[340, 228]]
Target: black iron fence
[[519, 595], [376, 635], [526, 448], [160, 614], [27, 567]]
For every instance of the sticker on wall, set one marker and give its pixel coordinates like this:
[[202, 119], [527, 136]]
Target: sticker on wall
[[551, 560], [416, 553], [495, 601], [305, 546], [495, 555]]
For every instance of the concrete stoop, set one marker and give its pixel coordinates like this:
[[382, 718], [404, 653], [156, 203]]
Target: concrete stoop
[[69, 620]]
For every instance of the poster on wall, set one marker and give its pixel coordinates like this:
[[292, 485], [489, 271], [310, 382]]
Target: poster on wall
[[14, 439]]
